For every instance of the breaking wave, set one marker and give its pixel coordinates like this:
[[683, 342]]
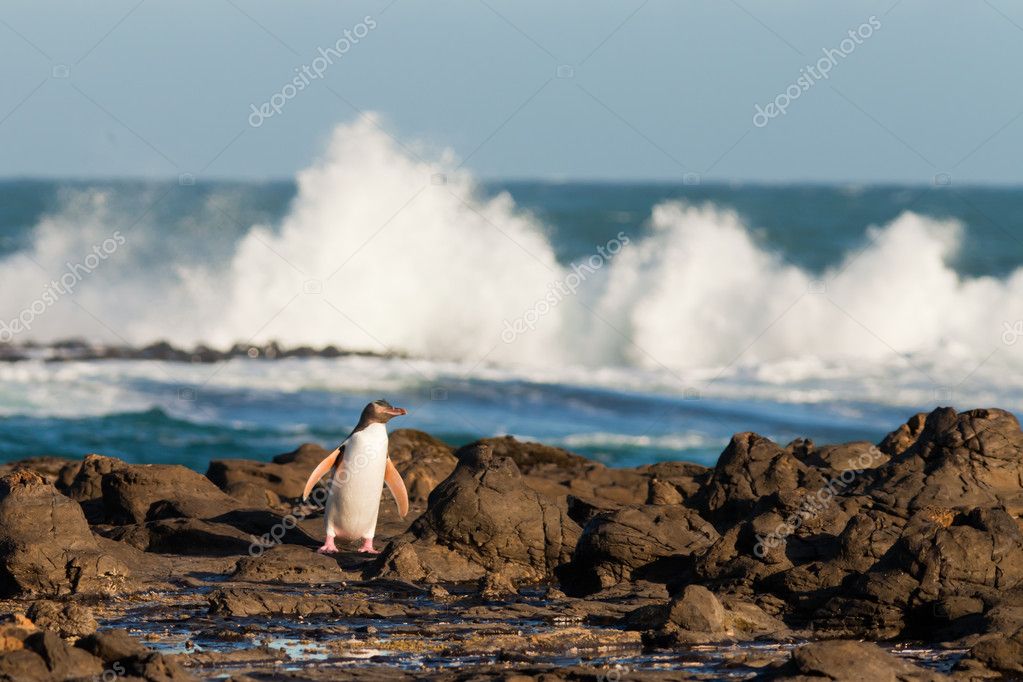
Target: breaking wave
[[382, 250]]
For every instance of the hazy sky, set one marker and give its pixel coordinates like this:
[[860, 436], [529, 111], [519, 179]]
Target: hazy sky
[[609, 90]]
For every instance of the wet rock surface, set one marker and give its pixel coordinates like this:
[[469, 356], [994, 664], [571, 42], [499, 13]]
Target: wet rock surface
[[525, 560]]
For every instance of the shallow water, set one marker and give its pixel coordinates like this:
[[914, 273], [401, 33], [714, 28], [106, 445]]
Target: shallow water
[[442, 641]]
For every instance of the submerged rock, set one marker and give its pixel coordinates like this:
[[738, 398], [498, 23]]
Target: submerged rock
[[852, 661]]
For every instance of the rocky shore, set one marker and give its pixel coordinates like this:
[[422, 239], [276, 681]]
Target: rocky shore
[[896, 561], [70, 350]]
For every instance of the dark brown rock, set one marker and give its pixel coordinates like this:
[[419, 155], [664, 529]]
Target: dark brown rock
[[941, 570], [856, 456], [697, 609], [852, 661], [673, 482], [557, 473], [57, 471], [652, 542], [86, 486], [750, 468], [252, 494], [283, 480], [242, 603], [23, 665], [111, 645], [955, 461], [194, 537], [54, 652], [483, 518], [155, 667], [1000, 654], [67, 620], [288, 564], [137, 493], [900, 440], [46, 546]]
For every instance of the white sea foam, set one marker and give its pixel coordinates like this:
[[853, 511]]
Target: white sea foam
[[384, 251]]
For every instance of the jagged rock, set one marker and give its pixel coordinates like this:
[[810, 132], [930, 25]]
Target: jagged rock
[[57, 471], [867, 537], [46, 546], [483, 518], [900, 440], [855, 456], [973, 556], [954, 461], [67, 620], [1000, 654], [54, 652], [673, 482], [651, 542], [750, 468], [556, 473], [86, 486], [734, 563]]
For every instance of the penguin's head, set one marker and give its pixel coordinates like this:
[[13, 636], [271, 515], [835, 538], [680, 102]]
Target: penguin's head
[[382, 411]]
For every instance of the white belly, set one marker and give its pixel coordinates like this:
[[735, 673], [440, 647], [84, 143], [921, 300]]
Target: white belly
[[354, 499]]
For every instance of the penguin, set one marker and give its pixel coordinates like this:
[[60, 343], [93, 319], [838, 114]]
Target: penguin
[[360, 468]]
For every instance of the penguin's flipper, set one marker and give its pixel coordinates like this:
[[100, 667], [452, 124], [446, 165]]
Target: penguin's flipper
[[318, 473], [397, 487]]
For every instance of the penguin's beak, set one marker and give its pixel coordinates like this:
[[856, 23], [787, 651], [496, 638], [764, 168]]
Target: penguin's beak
[[397, 411]]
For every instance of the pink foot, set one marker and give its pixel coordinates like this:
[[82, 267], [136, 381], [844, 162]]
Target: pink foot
[[328, 546], [367, 546]]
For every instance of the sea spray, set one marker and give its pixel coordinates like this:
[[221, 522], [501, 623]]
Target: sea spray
[[403, 263]]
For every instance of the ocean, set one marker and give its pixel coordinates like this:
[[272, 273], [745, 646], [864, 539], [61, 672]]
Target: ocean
[[630, 322]]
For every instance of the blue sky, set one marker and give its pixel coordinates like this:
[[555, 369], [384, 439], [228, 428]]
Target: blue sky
[[647, 90]]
